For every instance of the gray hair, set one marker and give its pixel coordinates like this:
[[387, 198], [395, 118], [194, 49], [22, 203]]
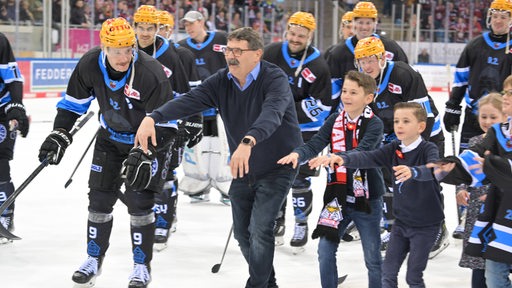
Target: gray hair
[[248, 34]]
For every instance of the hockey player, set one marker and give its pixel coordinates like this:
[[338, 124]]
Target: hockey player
[[399, 82], [147, 24], [481, 69], [206, 165], [12, 117], [346, 31], [127, 84], [309, 78]]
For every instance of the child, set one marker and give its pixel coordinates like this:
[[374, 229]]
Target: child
[[350, 194], [489, 113], [417, 201]]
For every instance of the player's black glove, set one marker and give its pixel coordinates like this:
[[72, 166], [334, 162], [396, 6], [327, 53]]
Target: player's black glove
[[189, 131], [16, 111], [55, 145], [137, 168], [451, 117]]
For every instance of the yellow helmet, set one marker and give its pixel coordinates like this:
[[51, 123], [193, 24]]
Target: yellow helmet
[[369, 46], [347, 17], [117, 32], [503, 5], [304, 19], [165, 18], [365, 9], [145, 14]]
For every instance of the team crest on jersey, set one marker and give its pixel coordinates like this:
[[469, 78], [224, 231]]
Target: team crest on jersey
[[131, 93], [3, 133], [389, 55], [112, 84], [393, 88], [168, 72], [218, 48], [308, 75]]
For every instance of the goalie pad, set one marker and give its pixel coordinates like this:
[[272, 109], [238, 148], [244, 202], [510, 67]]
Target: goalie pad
[[219, 170], [195, 163]]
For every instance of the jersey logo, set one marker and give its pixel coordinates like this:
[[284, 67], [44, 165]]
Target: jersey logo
[[3, 133], [308, 75], [168, 72], [112, 84], [131, 93], [218, 48], [389, 55], [200, 61], [393, 88]]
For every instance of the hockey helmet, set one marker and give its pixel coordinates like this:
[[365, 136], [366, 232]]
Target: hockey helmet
[[146, 14], [304, 19], [369, 46], [117, 32], [347, 17], [501, 5], [365, 9], [165, 18]]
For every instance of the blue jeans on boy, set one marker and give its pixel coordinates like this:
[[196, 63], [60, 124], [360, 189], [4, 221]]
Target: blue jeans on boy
[[368, 226], [254, 205], [415, 241], [496, 274]]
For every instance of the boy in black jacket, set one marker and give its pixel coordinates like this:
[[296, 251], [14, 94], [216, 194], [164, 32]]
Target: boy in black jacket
[[417, 203]]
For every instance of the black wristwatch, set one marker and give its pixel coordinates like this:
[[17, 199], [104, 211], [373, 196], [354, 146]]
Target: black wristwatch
[[248, 141]]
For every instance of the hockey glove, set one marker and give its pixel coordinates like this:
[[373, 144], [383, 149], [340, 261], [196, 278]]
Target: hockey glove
[[16, 111], [451, 117], [137, 170], [189, 131], [55, 145]]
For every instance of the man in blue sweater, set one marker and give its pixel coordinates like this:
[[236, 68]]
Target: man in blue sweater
[[255, 101]]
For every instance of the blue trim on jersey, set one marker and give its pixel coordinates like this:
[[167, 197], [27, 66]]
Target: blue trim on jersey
[[460, 77], [112, 84], [350, 47], [495, 45], [502, 140], [311, 126], [74, 105], [200, 46], [162, 48], [10, 72], [6, 98], [467, 159], [502, 237], [126, 138], [382, 87], [336, 86], [294, 63], [210, 112]]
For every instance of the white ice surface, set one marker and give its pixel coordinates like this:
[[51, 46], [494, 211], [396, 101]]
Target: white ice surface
[[52, 222]]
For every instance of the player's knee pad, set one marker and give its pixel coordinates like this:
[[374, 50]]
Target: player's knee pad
[[142, 220], [102, 201], [98, 217]]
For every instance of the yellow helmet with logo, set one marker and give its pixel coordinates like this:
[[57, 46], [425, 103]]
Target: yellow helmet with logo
[[145, 14], [117, 32], [365, 9], [501, 5], [347, 17], [165, 18], [369, 46], [304, 19]]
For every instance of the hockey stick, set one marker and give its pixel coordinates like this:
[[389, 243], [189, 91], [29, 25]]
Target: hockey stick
[[216, 267], [342, 279], [3, 231], [81, 159]]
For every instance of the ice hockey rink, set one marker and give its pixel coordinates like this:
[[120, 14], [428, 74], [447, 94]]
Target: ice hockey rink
[[52, 222]]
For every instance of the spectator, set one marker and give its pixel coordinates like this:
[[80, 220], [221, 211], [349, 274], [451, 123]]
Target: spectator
[[77, 15], [424, 57]]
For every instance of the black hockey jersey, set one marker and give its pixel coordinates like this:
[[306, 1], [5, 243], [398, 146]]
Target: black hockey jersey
[[11, 81], [481, 69], [122, 106], [401, 83], [341, 60], [188, 61], [311, 87]]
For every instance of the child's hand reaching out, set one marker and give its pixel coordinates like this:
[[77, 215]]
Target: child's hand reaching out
[[326, 160]]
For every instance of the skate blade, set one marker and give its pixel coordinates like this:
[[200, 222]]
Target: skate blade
[[158, 247], [4, 241], [438, 251], [173, 229], [91, 283], [298, 250], [279, 241]]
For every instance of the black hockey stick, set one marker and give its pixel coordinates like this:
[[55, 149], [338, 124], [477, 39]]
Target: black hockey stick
[[81, 159], [342, 279], [3, 231], [216, 267]]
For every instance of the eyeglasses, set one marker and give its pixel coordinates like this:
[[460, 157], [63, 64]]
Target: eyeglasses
[[506, 92], [236, 51]]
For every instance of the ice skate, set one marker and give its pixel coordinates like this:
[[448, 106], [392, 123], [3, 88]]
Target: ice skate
[[352, 232], [8, 223], [279, 229], [200, 197], [161, 237], [459, 232], [140, 277], [86, 275], [441, 243], [300, 238], [384, 240], [224, 199], [174, 224]]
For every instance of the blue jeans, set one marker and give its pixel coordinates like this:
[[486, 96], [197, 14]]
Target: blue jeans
[[368, 226], [496, 274], [254, 205]]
